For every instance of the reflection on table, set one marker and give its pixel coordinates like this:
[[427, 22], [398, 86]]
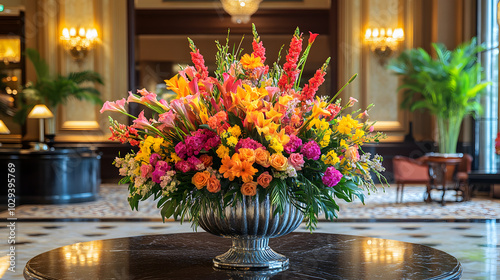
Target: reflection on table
[[189, 256]]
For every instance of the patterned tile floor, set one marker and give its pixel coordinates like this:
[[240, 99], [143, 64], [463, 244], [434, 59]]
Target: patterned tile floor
[[112, 203], [467, 230]]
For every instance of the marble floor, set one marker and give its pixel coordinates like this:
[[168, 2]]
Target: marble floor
[[475, 243]]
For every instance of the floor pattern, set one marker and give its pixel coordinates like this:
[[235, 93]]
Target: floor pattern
[[475, 245], [112, 203]]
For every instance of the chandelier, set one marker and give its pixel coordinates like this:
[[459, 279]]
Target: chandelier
[[240, 10]]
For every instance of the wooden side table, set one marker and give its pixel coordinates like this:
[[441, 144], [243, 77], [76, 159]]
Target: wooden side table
[[441, 174]]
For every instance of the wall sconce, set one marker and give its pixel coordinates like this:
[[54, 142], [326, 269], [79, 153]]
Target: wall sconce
[[383, 42], [40, 112], [240, 10], [78, 44]]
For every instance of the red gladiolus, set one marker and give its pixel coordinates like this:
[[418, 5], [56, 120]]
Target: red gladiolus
[[310, 89], [199, 63], [290, 67]]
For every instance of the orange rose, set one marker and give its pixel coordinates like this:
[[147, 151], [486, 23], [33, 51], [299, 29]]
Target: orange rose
[[352, 154], [213, 184], [249, 188], [262, 157], [206, 159], [247, 155], [279, 162], [264, 179], [200, 179]]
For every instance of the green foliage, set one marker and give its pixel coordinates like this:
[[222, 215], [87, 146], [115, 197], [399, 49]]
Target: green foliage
[[53, 91], [447, 86]]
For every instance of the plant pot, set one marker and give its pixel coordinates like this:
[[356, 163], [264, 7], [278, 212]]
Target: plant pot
[[250, 224]]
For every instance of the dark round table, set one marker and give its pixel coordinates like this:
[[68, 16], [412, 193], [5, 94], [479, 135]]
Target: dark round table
[[189, 256]]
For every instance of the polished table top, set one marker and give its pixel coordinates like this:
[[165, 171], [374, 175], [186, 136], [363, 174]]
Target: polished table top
[[189, 256]]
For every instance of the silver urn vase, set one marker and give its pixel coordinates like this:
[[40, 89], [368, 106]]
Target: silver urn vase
[[250, 224]]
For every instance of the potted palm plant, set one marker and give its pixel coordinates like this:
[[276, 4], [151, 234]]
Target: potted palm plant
[[53, 91], [447, 86]]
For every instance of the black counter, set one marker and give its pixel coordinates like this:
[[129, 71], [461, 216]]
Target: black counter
[[54, 176]]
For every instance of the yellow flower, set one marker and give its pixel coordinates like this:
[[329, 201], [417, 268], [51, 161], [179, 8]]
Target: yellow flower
[[357, 138], [276, 145], [232, 141], [222, 151], [175, 158], [157, 143], [178, 85], [250, 61], [343, 144], [326, 138], [235, 131], [330, 158], [346, 124]]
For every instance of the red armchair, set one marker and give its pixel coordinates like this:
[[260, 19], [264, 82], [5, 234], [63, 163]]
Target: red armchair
[[409, 171]]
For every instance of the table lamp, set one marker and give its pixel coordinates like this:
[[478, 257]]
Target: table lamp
[[3, 129], [41, 112]]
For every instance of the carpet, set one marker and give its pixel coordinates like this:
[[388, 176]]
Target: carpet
[[112, 204]]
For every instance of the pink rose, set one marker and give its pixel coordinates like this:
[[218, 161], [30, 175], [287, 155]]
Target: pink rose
[[146, 170], [296, 160]]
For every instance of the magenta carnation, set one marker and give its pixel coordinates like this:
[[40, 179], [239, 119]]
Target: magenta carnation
[[248, 143], [311, 150], [154, 159], [292, 145], [156, 176], [183, 166], [331, 177]]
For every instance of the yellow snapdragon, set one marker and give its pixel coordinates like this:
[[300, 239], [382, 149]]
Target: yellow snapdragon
[[330, 158]]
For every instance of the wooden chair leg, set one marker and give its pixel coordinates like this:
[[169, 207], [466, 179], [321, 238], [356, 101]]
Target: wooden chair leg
[[397, 192], [402, 190]]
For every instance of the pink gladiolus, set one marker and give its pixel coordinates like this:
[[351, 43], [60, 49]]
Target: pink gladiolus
[[372, 128], [141, 122], [167, 119], [133, 98], [117, 106], [149, 98], [351, 102]]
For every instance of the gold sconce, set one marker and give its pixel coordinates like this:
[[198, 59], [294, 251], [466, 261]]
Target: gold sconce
[[79, 43], [383, 42], [240, 10]]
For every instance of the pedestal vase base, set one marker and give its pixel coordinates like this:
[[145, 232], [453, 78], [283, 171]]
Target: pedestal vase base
[[251, 254]]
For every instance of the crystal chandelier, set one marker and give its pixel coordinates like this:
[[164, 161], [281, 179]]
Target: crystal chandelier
[[240, 10]]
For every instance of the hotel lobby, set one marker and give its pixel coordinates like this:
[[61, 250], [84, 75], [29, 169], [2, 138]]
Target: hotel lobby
[[406, 205]]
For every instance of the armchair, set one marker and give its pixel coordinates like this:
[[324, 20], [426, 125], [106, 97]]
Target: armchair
[[409, 171]]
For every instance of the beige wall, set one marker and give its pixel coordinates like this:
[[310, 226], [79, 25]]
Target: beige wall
[[80, 121], [447, 21]]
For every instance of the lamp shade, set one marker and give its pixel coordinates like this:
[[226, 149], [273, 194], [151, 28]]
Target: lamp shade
[[40, 111], [3, 128]]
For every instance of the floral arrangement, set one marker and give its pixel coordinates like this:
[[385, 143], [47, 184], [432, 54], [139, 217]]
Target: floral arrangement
[[249, 128]]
